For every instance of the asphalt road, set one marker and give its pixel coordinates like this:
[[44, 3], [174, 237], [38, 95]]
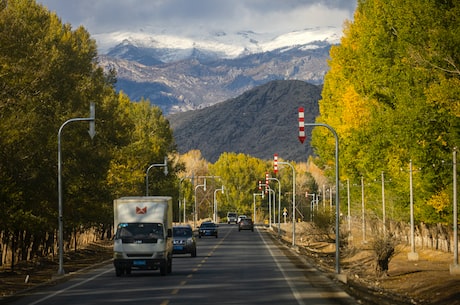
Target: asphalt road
[[235, 268]]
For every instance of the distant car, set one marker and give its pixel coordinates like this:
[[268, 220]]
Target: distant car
[[183, 240], [246, 224], [232, 217], [241, 217], [207, 228]]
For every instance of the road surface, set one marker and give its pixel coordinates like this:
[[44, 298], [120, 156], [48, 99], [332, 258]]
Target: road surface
[[235, 268]]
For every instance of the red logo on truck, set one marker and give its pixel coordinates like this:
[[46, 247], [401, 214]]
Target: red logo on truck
[[141, 211]]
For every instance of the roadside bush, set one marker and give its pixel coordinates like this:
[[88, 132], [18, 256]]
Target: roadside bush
[[384, 249], [324, 222]]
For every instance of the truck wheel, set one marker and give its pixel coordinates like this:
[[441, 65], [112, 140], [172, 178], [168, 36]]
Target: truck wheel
[[169, 265], [163, 268]]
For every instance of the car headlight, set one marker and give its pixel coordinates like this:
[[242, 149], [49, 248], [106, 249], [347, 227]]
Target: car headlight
[[117, 255]]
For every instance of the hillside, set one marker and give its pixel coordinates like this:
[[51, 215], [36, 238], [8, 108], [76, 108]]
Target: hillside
[[260, 122]]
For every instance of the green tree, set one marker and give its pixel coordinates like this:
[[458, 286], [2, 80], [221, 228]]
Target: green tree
[[391, 94], [240, 174]]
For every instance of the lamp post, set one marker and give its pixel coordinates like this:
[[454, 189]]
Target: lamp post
[[92, 133], [337, 197], [279, 204], [195, 216], [204, 178], [269, 202], [180, 188], [165, 165], [312, 204], [293, 200], [215, 203]]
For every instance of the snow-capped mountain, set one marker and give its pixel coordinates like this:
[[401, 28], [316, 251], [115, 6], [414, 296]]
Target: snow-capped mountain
[[227, 45], [181, 73]]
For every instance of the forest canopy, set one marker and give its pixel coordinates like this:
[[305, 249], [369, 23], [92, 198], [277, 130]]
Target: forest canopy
[[48, 75], [392, 95]]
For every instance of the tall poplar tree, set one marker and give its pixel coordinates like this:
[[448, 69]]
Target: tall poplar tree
[[391, 94]]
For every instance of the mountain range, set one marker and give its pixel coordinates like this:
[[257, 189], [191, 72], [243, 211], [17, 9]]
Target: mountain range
[[260, 122], [180, 73]]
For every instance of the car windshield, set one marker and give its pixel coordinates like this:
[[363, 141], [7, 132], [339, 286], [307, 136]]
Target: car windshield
[[182, 232], [140, 230]]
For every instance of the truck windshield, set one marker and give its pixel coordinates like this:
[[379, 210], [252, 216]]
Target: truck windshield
[[140, 231]]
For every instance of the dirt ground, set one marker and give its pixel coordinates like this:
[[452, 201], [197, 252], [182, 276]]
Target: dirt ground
[[44, 271], [426, 281]]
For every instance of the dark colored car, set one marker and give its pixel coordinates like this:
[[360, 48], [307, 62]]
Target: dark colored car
[[183, 240], [207, 228], [246, 224]]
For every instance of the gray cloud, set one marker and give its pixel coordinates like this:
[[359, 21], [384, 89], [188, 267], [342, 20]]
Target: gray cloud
[[262, 15]]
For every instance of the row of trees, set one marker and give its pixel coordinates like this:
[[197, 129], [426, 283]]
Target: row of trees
[[49, 74], [392, 95], [239, 174]]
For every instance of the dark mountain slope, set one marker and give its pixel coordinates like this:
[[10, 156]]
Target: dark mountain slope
[[260, 122]]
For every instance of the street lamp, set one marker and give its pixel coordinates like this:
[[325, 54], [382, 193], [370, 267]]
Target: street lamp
[[180, 188], [196, 211], [337, 197], [165, 165], [215, 203], [279, 204], [293, 200], [204, 178], [92, 133], [269, 201]]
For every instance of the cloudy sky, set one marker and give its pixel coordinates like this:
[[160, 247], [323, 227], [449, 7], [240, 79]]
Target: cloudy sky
[[265, 16]]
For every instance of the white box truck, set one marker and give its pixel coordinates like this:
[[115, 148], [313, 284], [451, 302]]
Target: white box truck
[[143, 238]]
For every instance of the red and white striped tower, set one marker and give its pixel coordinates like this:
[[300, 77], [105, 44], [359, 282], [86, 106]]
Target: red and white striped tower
[[301, 125], [275, 163]]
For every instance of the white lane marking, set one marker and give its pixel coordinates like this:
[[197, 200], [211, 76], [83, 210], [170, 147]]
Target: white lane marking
[[294, 290], [71, 287]]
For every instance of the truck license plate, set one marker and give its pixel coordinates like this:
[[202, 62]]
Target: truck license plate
[[139, 263]]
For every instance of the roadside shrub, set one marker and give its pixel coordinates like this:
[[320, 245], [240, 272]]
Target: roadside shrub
[[384, 249], [324, 222]]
